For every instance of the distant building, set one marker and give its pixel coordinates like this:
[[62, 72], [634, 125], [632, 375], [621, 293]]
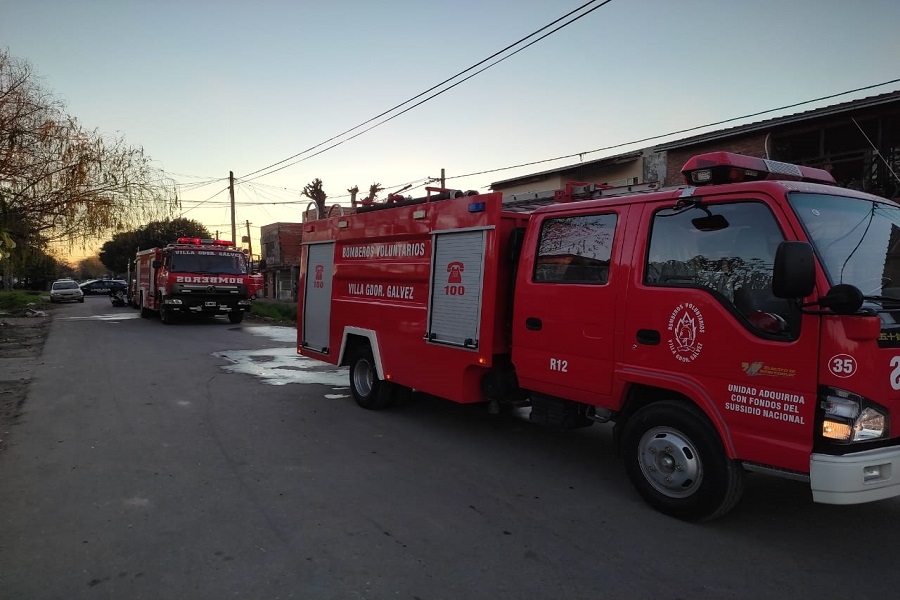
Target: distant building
[[857, 141], [280, 259]]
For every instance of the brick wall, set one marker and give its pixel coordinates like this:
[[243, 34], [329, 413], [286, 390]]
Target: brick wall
[[753, 144]]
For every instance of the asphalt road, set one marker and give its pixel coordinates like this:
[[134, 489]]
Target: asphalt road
[[149, 464]]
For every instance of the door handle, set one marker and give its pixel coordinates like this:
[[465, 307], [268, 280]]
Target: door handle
[[650, 337], [533, 324]]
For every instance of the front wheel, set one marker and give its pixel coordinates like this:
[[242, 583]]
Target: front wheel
[[676, 461], [146, 313], [368, 390], [165, 315], [235, 317]]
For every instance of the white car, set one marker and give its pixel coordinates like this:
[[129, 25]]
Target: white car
[[64, 290]]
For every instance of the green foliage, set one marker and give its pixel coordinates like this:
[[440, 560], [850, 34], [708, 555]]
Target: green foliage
[[19, 299], [117, 252], [279, 312]]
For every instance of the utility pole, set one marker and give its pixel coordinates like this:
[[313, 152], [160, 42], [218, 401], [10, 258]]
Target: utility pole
[[231, 191], [249, 242], [443, 179]]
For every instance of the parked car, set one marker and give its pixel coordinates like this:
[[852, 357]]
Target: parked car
[[65, 290], [103, 286]]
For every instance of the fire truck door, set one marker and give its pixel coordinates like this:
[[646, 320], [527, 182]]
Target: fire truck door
[[565, 309], [317, 296], [455, 298]]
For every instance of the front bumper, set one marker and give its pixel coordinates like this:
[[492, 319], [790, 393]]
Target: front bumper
[[206, 305], [855, 478], [65, 297]]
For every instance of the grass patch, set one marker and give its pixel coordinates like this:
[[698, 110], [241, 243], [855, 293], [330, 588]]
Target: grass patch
[[280, 312], [16, 300]]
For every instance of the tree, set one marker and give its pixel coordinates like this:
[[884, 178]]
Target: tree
[[60, 182], [314, 192], [374, 190], [118, 252], [92, 268]]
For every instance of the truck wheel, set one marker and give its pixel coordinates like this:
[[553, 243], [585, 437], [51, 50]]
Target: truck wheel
[[676, 461], [165, 315], [235, 317], [146, 313], [368, 390]]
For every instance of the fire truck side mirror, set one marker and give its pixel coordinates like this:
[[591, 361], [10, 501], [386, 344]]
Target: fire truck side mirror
[[157, 264], [794, 273]]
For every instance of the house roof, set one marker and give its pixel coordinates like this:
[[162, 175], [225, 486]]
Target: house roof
[[608, 160], [808, 115], [843, 107]]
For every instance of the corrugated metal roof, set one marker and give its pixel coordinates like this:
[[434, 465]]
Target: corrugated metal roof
[[808, 115]]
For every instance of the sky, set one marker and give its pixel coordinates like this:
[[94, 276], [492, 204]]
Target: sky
[[211, 87]]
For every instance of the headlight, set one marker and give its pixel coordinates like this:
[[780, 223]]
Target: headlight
[[850, 418], [869, 426]]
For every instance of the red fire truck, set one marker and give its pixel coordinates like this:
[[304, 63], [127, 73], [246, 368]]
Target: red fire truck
[[193, 276], [745, 322]]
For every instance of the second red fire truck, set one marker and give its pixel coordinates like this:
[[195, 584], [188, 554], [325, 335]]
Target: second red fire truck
[[194, 276], [746, 322]]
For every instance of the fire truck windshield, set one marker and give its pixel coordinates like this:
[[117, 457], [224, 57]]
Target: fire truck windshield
[[857, 240], [200, 261]]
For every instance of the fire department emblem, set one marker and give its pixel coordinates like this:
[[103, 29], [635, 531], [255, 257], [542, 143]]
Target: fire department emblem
[[686, 327]]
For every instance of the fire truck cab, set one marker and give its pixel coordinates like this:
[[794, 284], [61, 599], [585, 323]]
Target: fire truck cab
[[745, 322]]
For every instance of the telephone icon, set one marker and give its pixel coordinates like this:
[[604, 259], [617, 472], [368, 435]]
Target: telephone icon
[[455, 270]]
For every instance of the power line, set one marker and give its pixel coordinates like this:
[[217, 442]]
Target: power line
[[202, 202], [417, 183], [678, 132], [248, 177]]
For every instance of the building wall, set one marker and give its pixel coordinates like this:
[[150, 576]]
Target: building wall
[[613, 174], [280, 248], [752, 145]]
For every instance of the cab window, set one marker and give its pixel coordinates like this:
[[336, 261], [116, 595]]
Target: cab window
[[575, 249], [727, 250]]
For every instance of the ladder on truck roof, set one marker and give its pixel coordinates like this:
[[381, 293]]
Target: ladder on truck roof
[[573, 192]]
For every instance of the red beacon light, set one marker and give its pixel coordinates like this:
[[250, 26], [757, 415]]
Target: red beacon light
[[204, 242], [714, 168]]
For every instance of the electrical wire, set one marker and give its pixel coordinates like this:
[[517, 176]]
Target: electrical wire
[[678, 132], [248, 177]]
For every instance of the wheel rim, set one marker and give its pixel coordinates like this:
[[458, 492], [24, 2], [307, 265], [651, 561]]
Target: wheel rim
[[670, 462], [363, 378]]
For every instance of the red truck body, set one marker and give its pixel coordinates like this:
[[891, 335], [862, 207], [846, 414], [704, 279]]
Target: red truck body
[[193, 276], [743, 323]]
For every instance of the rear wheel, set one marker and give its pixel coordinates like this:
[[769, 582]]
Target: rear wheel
[[368, 390], [235, 317], [676, 461]]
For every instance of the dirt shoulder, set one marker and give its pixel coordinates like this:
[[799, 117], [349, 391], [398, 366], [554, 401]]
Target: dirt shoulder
[[21, 343]]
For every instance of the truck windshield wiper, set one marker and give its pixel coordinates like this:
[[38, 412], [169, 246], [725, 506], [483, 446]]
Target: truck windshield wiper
[[883, 300]]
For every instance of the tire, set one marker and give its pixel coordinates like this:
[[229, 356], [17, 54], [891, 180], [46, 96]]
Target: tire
[[146, 313], [235, 317], [81, 299], [166, 315], [676, 461], [368, 390]]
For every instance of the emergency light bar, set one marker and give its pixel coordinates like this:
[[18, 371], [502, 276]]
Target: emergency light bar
[[715, 168], [203, 241]]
